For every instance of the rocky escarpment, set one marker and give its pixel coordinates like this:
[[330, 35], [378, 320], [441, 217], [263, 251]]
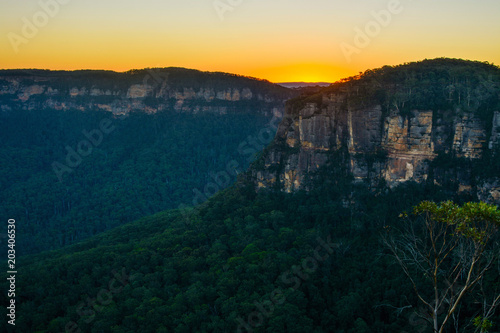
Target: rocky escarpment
[[147, 91], [386, 140]]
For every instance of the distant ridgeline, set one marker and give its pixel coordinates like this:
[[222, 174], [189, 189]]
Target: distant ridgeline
[[85, 151], [435, 121], [148, 90]]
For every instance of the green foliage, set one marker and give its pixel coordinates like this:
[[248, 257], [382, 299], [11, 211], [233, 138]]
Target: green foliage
[[483, 324], [454, 248], [298, 103], [200, 271], [149, 163], [439, 85], [475, 220]]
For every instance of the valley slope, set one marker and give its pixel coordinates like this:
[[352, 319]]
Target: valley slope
[[86, 151]]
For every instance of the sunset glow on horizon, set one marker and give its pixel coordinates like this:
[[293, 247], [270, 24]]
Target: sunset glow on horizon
[[281, 41]]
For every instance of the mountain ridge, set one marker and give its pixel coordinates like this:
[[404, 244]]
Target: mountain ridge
[[134, 90], [393, 123], [303, 84]]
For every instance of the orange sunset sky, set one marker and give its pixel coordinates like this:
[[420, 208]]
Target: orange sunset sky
[[278, 40]]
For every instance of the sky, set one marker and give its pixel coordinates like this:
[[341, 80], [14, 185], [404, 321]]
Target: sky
[[277, 40]]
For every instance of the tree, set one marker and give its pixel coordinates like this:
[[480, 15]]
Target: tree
[[450, 248]]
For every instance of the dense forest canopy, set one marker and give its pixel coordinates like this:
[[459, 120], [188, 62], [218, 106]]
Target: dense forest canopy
[[240, 261], [177, 77], [66, 178], [437, 84], [244, 260]]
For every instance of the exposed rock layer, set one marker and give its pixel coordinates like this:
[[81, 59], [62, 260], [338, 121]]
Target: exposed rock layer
[[148, 91], [388, 146]]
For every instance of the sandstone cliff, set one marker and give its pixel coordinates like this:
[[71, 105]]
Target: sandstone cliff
[[149, 91], [393, 130]]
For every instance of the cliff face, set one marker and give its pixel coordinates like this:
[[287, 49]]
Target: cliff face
[[147, 91], [381, 142]]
